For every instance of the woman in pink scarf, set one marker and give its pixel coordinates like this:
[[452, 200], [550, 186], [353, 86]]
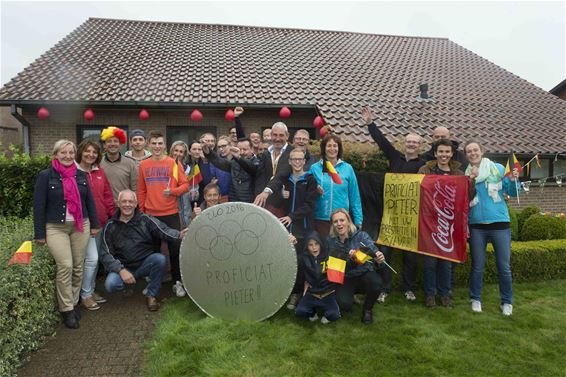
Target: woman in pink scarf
[[64, 215]]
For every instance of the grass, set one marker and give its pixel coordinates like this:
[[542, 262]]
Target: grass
[[406, 339]]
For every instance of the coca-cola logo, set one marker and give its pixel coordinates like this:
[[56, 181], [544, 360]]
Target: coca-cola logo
[[444, 199]]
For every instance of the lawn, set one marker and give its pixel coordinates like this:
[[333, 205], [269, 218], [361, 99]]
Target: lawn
[[406, 339]]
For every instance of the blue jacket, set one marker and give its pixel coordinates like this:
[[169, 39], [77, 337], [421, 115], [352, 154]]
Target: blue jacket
[[346, 195], [341, 250], [486, 211], [49, 205]]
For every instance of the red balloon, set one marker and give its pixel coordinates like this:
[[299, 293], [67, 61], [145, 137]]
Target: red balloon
[[196, 115], [144, 115], [323, 131], [42, 113], [230, 115], [318, 122], [284, 112], [89, 115]]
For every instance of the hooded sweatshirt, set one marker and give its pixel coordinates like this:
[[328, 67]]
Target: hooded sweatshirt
[[315, 267]]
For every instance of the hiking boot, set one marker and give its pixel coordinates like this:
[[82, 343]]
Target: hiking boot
[[98, 298], [152, 303], [367, 317], [381, 298], [447, 301], [430, 301], [324, 321], [293, 300], [314, 318], [476, 306], [178, 289], [410, 296], [77, 311], [89, 303], [70, 320], [507, 309]]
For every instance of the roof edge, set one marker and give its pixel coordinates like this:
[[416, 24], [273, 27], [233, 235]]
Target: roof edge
[[558, 88]]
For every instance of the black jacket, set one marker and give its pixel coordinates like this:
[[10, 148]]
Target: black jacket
[[49, 205], [341, 250], [126, 245], [300, 205], [458, 156], [397, 161], [315, 267], [242, 187]]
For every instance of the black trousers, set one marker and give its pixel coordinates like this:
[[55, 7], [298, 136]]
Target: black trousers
[[173, 222], [369, 283], [299, 286]]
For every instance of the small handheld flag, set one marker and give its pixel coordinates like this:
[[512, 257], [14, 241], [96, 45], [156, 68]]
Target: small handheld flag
[[335, 270], [328, 168], [23, 254], [516, 165], [195, 177], [175, 168], [360, 257]]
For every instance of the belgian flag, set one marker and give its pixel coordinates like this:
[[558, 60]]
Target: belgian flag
[[22, 255], [335, 270]]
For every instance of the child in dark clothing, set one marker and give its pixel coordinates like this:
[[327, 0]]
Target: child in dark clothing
[[319, 293]]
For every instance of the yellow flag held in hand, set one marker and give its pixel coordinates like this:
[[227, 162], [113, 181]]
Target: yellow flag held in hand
[[22, 255]]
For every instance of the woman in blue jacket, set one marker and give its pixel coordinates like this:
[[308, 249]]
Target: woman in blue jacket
[[334, 195], [489, 221], [64, 216]]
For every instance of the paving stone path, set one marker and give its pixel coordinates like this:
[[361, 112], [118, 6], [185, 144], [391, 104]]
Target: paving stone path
[[108, 343]]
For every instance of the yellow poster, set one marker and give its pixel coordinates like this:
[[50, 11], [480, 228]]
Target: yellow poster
[[400, 222]]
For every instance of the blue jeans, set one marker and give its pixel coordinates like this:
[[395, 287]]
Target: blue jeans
[[501, 241], [153, 266], [437, 273], [309, 304], [90, 269]]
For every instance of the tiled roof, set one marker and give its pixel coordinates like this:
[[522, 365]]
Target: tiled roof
[[125, 61]]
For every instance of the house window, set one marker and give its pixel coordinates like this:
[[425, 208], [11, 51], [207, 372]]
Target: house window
[[560, 167], [93, 132], [187, 133], [543, 171]]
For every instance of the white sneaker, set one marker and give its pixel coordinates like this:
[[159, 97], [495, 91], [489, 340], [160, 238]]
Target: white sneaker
[[144, 292], [314, 318], [293, 300], [476, 306], [381, 298], [324, 321], [359, 299], [410, 296], [178, 289], [507, 309]]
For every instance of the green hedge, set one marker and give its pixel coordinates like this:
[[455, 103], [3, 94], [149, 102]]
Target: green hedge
[[27, 296], [538, 227], [17, 175], [525, 214]]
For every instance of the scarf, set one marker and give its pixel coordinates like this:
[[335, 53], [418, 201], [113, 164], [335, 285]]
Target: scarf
[[490, 175], [70, 191]]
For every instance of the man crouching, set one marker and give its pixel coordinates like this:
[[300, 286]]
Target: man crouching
[[130, 249]]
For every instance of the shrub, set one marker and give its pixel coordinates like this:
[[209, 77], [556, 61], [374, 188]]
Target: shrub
[[27, 299], [17, 175], [362, 156], [538, 227], [515, 236], [525, 214]]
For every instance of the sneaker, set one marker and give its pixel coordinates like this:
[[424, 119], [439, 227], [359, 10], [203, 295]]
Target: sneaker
[[324, 321], [476, 306], [314, 318], [293, 300], [447, 301], [381, 298], [178, 289], [507, 309], [98, 298], [359, 299], [144, 292], [410, 296], [89, 303], [430, 301]]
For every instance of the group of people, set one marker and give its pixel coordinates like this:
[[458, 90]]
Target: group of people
[[124, 210]]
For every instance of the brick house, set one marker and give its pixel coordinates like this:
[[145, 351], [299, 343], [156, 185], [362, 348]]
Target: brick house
[[118, 67]]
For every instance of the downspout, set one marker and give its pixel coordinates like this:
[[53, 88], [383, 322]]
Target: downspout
[[25, 124]]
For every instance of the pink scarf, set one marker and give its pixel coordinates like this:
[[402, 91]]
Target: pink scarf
[[70, 191]]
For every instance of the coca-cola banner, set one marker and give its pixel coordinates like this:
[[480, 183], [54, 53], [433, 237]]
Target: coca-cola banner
[[426, 214]]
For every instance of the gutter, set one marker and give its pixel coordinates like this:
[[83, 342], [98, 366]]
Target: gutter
[[25, 124]]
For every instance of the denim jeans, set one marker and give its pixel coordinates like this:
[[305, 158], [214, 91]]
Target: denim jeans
[[153, 266], [309, 304], [501, 241], [437, 274], [90, 269]]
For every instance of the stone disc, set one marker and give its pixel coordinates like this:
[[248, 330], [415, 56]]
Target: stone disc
[[237, 263]]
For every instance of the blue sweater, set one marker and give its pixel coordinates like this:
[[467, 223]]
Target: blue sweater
[[487, 211], [346, 195]]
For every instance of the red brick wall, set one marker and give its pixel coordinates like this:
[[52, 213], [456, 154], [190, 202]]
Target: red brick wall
[[550, 199]]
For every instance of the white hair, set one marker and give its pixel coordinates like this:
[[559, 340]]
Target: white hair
[[127, 191], [281, 125]]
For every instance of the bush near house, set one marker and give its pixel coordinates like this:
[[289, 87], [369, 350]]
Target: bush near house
[[538, 227], [524, 215], [27, 296]]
